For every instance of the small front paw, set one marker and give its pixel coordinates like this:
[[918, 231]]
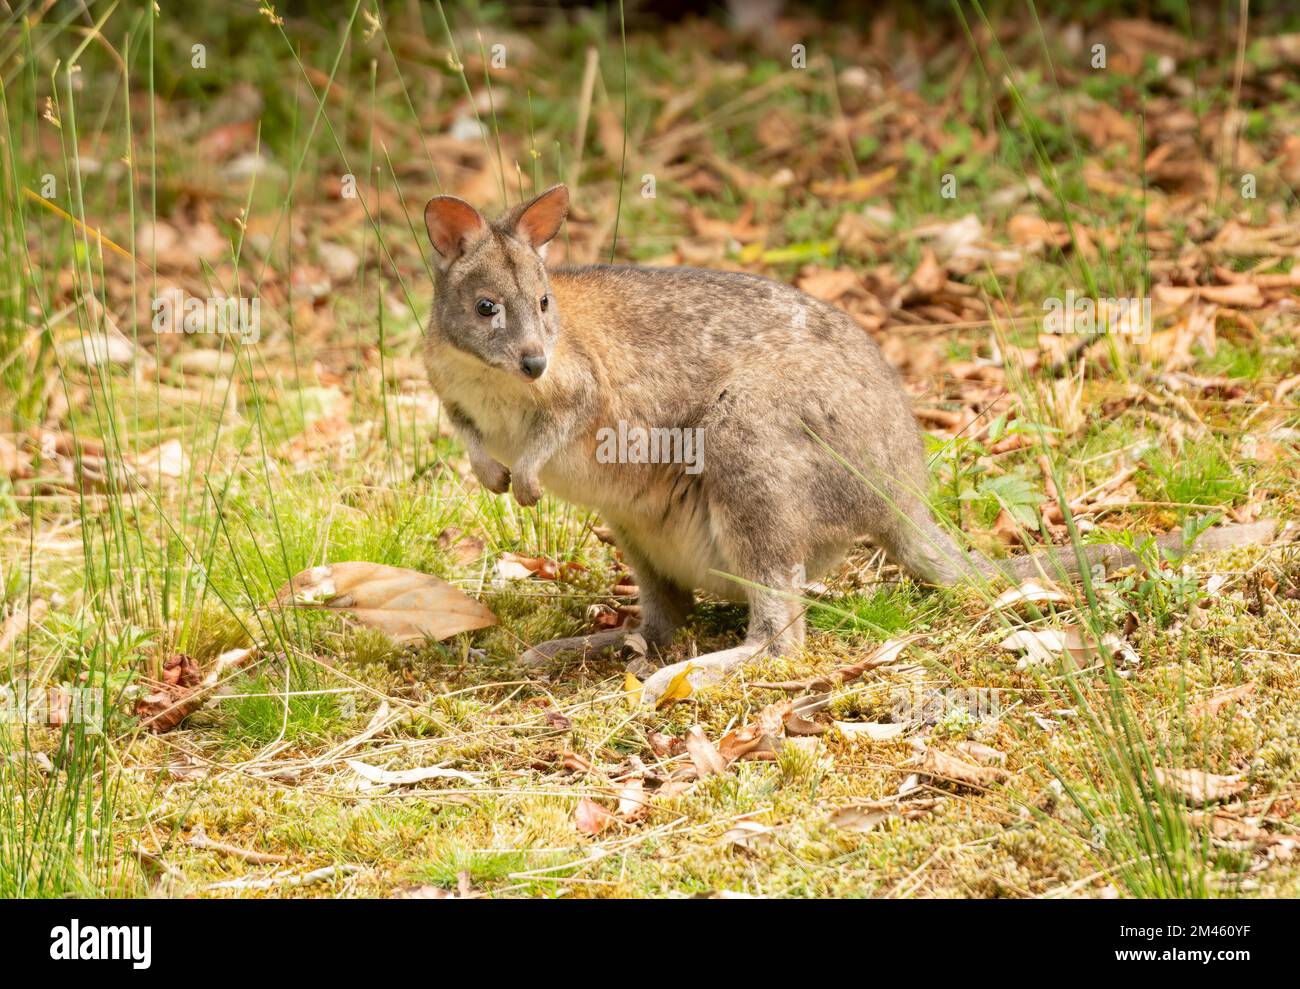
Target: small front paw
[[528, 490], [492, 476]]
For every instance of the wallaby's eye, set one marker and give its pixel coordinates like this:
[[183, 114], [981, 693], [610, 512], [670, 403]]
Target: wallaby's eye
[[546, 301], [485, 308]]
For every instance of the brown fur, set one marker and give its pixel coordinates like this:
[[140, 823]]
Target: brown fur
[[809, 438]]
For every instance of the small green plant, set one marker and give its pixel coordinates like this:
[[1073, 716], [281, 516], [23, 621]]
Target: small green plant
[[957, 722], [968, 493], [265, 709], [1199, 475], [1159, 590], [890, 609]]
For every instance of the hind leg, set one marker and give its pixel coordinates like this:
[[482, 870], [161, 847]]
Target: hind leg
[[664, 607], [776, 627], [759, 533]]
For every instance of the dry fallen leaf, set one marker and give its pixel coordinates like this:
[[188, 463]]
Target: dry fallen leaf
[[1199, 787], [1031, 591], [758, 737], [515, 566], [1245, 295], [102, 343], [405, 605], [870, 814], [23, 619], [463, 548], [591, 818], [1285, 387], [633, 804], [929, 277], [556, 720], [1214, 704], [674, 788], [168, 460], [862, 818], [13, 462], [946, 767], [181, 691], [799, 721], [876, 731], [828, 284], [408, 777], [963, 247], [1173, 347], [508, 569], [985, 755], [1048, 644], [747, 835], [180, 670], [576, 763], [706, 758], [741, 229], [663, 745]]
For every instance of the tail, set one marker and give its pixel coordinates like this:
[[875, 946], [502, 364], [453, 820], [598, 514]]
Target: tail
[[932, 555], [1065, 562]]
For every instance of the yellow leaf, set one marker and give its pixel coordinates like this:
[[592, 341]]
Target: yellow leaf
[[632, 688], [857, 190], [679, 688]]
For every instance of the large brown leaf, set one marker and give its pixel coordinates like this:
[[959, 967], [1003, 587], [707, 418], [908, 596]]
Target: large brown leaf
[[704, 754], [405, 605]]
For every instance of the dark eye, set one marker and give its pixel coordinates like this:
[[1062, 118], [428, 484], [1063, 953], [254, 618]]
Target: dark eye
[[546, 301], [485, 308]]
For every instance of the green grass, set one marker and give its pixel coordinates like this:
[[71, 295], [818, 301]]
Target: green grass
[[879, 615], [1200, 476], [262, 711], [137, 571]]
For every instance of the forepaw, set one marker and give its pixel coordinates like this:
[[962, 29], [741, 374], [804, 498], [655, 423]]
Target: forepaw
[[492, 475], [528, 490]]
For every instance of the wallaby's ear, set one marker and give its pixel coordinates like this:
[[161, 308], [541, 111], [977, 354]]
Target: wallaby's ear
[[540, 220], [453, 225]]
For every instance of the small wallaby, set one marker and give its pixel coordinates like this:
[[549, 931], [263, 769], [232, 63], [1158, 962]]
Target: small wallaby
[[793, 436]]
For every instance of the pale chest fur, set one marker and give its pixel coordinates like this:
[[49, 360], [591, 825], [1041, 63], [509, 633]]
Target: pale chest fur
[[646, 505], [499, 409], [644, 501]]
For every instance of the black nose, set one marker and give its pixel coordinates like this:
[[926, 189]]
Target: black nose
[[533, 365]]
